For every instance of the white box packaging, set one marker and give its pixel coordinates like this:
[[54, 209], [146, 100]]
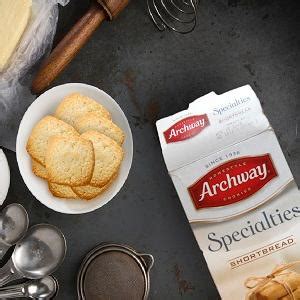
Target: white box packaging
[[236, 189]]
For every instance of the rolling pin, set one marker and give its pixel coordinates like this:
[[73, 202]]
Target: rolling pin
[[75, 39]]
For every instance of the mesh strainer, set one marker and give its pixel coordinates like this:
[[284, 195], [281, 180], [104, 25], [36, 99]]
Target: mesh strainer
[[115, 272]]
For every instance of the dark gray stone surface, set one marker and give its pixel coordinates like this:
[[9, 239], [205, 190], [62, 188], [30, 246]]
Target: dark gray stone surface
[[152, 75]]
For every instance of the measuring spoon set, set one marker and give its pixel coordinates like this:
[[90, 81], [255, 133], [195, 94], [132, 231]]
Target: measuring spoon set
[[38, 252]]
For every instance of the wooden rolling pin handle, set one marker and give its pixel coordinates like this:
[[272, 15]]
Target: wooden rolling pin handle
[[68, 47]]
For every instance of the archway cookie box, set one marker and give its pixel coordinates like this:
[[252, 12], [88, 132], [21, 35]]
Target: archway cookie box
[[238, 194]]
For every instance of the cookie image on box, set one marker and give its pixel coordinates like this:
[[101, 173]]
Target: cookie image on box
[[75, 105], [93, 121], [108, 157], [70, 161], [38, 140], [283, 284]]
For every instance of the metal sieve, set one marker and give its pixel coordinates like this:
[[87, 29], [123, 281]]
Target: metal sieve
[[114, 272]]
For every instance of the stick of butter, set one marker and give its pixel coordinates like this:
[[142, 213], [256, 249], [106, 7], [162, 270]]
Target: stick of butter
[[14, 16]]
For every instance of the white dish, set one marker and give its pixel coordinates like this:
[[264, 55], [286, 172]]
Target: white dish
[[4, 177], [44, 105]]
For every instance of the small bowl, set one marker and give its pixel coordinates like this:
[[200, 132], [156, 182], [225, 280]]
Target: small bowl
[[44, 105]]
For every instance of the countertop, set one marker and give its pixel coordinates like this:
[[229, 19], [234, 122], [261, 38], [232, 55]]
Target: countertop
[[151, 75]]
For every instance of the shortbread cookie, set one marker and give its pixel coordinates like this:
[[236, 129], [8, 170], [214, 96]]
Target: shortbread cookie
[[75, 105], [88, 192], [42, 131], [61, 191], [70, 161], [108, 157], [38, 169], [92, 121], [96, 113]]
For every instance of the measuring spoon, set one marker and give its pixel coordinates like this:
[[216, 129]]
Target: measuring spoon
[[13, 225], [37, 255]]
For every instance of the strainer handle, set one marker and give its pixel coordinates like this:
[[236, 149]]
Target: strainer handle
[[148, 259]]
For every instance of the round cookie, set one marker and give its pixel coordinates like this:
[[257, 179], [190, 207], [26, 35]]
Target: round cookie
[[75, 105], [38, 169], [108, 157], [38, 140], [70, 161], [89, 192], [93, 121], [62, 191], [58, 190]]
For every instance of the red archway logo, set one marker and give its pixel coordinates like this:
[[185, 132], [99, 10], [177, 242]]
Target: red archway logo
[[232, 181], [186, 128]]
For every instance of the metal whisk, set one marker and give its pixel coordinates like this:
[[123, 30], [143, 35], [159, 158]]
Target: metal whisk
[[177, 15]]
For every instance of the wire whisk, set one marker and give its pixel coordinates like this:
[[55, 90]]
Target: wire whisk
[[177, 15]]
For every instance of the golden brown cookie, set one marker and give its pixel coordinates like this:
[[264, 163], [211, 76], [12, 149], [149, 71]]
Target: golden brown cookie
[[92, 121], [38, 169], [75, 105], [61, 191], [70, 161], [38, 140], [108, 157], [275, 290], [89, 192]]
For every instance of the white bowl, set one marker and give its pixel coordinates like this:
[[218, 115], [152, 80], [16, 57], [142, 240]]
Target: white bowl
[[44, 105]]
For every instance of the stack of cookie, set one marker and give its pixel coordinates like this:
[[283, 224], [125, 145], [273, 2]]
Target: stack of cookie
[[78, 150], [284, 286]]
